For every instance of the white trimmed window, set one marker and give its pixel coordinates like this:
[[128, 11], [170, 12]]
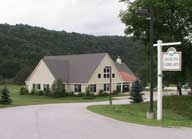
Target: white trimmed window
[[77, 87], [37, 86], [46, 87], [106, 87], [93, 88], [106, 72]]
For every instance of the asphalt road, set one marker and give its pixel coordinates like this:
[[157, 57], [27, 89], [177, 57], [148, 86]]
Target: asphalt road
[[74, 121]]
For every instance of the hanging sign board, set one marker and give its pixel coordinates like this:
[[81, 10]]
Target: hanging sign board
[[171, 60]]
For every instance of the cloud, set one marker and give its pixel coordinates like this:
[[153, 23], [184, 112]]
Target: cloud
[[97, 17]]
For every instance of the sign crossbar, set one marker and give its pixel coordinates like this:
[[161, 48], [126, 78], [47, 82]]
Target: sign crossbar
[[168, 44]]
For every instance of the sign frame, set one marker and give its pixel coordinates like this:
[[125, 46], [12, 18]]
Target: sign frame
[[175, 52]]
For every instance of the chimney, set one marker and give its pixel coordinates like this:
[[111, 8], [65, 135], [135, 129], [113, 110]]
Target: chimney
[[118, 60]]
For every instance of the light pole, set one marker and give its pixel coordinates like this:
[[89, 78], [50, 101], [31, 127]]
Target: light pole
[[149, 13]]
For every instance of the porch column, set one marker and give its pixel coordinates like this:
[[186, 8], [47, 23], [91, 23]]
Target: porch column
[[121, 87], [130, 86]]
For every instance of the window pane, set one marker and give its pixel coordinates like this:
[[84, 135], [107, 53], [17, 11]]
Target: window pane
[[33, 86], [93, 87], [38, 86], [105, 70], [108, 70], [77, 88], [104, 87]]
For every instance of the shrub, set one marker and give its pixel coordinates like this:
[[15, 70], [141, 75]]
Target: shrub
[[58, 89], [47, 92], [70, 94], [88, 91], [33, 92], [136, 95], [102, 93], [23, 91], [5, 98], [79, 94], [40, 93], [115, 92]]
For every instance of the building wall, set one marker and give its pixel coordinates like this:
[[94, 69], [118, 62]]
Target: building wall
[[71, 88], [41, 75], [99, 86], [107, 61]]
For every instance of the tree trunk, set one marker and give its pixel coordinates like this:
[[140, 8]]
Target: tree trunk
[[179, 89]]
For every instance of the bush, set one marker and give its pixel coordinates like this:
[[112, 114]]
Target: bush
[[23, 91], [115, 92], [102, 93], [88, 92], [136, 95], [58, 89], [70, 94], [5, 98], [40, 93], [34, 92], [47, 92], [79, 94]]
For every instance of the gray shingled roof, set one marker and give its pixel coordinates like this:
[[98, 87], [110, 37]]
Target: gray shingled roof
[[73, 68], [123, 67]]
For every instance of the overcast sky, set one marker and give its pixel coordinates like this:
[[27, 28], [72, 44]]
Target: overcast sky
[[97, 17]]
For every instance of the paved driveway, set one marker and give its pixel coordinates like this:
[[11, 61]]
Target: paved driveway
[[74, 121]]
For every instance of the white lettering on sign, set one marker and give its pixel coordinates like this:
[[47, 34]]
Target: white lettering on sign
[[171, 60]]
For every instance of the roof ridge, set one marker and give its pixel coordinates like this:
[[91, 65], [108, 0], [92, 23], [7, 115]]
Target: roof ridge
[[74, 54]]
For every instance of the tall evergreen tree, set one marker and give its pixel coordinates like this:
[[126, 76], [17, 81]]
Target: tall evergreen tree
[[5, 98], [136, 95]]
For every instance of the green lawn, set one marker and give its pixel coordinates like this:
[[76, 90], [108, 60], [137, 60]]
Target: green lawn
[[177, 111], [19, 100]]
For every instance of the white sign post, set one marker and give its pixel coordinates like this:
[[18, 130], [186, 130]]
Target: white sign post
[[172, 65]]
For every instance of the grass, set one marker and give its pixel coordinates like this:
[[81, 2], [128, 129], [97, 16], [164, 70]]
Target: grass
[[22, 100], [177, 111]]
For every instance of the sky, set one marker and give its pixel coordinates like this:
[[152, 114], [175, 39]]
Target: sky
[[95, 17]]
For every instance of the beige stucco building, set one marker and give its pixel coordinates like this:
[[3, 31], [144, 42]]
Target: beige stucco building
[[80, 71]]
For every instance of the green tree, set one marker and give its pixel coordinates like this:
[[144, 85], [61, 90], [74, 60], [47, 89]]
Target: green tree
[[58, 89], [172, 23], [5, 98], [136, 95]]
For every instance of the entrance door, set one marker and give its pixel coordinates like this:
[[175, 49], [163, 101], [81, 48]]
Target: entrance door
[[126, 88]]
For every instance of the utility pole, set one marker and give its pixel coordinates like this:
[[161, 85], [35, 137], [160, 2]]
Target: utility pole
[[151, 62], [110, 85]]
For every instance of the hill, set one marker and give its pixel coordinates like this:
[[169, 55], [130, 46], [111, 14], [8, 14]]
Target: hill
[[22, 46]]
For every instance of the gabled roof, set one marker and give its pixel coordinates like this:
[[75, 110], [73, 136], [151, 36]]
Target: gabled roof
[[74, 68], [126, 74]]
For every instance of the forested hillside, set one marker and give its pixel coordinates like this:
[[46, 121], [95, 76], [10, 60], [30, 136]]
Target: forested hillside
[[22, 46]]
